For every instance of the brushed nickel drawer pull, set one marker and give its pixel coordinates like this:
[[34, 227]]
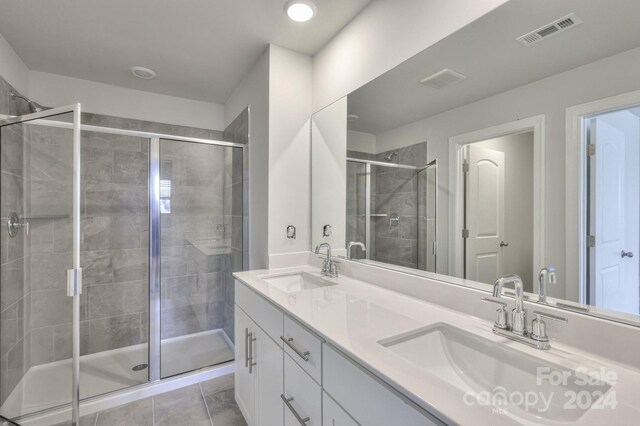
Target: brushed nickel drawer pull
[[287, 402], [288, 341]]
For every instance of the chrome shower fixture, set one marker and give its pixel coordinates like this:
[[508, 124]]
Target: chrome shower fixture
[[389, 157], [33, 106]]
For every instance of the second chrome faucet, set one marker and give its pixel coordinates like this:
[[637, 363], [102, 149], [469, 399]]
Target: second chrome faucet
[[517, 330]]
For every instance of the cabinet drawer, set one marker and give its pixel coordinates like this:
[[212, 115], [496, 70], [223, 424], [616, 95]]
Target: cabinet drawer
[[304, 347], [306, 394], [364, 397], [333, 414], [263, 313]]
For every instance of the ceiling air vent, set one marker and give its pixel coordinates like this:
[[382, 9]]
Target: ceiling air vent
[[443, 78], [548, 30]]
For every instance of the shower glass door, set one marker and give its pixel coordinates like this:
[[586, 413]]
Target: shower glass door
[[200, 201], [40, 234], [427, 217], [357, 211]]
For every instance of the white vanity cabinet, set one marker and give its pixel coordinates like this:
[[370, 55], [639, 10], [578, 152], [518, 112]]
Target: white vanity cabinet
[[259, 367], [288, 376]]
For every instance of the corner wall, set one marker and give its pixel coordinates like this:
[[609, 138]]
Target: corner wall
[[290, 85], [253, 91]]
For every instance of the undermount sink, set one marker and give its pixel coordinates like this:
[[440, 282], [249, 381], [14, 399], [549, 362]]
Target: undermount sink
[[296, 281], [493, 374]]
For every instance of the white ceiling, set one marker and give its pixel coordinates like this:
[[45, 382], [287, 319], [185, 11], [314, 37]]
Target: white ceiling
[[200, 48], [487, 53]]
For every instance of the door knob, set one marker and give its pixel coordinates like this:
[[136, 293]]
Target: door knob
[[624, 254], [503, 244]]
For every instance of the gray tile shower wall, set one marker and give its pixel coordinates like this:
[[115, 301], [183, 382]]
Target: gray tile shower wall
[[234, 219], [15, 290], [194, 257], [395, 191], [114, 242]]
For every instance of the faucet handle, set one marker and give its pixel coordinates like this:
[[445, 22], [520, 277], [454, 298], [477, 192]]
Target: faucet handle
[[539, 328], [501, 314], [496, 301]]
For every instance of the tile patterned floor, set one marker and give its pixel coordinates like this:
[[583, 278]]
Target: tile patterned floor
[[210, 403]]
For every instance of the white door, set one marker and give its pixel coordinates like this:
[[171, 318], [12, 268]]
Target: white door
[[245, 383], [615, 212], [269, 373], [485, 219]]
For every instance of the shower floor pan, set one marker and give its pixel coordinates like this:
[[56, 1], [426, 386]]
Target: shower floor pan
[[49, 385]]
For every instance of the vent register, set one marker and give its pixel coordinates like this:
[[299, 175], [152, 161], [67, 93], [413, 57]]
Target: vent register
[[556, 27]]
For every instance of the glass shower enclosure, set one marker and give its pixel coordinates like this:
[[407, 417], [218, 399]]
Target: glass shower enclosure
[[392, 208], [117, 249]]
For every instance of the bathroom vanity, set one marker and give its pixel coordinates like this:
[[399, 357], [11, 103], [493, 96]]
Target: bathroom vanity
[[312, 350]]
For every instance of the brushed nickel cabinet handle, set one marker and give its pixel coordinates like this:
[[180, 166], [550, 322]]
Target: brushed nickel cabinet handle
[[287, 402], [251, 363], [288, 341]]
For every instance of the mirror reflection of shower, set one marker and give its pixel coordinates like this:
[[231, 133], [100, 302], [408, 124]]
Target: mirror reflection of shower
[[389, 157], [392, 205]]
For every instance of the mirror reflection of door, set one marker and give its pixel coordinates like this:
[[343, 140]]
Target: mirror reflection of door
[[614, 210], [498, 211]]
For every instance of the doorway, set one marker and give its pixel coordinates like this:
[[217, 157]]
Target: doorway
[[613, 210], [497, 201]]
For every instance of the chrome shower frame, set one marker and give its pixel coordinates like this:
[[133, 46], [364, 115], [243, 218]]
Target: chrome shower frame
[[154, 380]]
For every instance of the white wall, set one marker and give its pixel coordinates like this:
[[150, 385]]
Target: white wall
[[253, 91], [57, 90], [518, 158], [361, 141], [329, 174], [12, 68], [551, 97], [384, 34], [290, 82]]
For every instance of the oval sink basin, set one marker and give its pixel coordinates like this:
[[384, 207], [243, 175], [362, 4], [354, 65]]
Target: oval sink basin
[[296, 281], [507, 380]]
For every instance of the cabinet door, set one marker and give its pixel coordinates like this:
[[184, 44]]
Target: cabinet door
[[269, 378], [245, 388], [304, 394], [333, 414]]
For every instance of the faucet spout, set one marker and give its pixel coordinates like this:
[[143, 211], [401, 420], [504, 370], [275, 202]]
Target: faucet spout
[[357, 244], [328, 266], [518, 315], [547, 274]]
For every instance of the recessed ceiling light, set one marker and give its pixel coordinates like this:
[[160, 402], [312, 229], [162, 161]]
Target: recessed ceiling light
[[143, 73], [300, 10]]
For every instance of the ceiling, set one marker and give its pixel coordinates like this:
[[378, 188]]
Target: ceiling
[[200, 49], [493, 61]]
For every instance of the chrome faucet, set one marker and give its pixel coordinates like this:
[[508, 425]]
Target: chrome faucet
[[518, 315], [518, 330], [329, 268], [547, 275], [355, 243]]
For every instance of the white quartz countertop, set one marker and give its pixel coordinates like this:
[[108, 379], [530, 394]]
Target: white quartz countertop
[[354, 316]]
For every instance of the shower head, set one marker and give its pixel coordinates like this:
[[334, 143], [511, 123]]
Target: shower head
[[389, 157], [33, 106]]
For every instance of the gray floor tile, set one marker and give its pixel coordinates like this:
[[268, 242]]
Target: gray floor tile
[[181, 407], [223, 409], [218, 384], [138, 413]]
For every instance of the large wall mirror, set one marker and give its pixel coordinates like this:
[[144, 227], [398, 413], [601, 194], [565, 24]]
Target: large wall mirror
[[511, 146]]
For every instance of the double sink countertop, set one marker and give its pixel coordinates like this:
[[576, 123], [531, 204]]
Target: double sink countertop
[[360, 319]]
